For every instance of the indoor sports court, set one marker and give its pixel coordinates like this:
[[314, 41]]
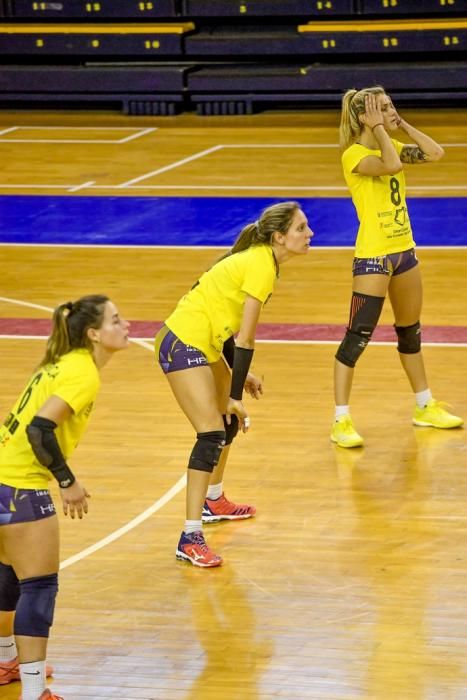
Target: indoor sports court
[[350, 582]]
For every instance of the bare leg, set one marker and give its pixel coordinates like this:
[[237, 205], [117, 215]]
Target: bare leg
[[223, 379], [218, 473], [196, 393], [343, 378], [405, 294], [196, 489], [6, 623]]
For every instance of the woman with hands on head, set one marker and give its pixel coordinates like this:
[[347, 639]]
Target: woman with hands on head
[[208, 371], [385, 261], [36, 440]]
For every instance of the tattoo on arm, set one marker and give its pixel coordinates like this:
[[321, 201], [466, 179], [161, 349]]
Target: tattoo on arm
[[412, 154]]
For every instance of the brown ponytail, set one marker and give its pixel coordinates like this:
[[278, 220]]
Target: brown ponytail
[[70, 323], [276, 218]]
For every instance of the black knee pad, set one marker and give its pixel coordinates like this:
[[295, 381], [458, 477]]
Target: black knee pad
[[36, 605], [409, 339], [9, 588], [232, 429], [364, 315], [207, 450]]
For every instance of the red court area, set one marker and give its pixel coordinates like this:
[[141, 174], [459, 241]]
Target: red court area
[[281, 332]]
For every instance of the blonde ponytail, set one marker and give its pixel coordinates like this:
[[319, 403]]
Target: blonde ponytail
[[353, 105]]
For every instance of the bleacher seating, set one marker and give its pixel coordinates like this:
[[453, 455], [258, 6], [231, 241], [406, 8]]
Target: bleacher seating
[[228, 56]]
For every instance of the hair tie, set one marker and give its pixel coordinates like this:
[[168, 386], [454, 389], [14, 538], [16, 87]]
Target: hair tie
[[69, 305]]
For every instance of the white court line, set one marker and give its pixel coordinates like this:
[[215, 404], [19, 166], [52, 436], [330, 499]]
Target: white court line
[[81, 187], [136, 136], [104, 246], [312, 145], [26, 303], [60, 141], [7, 131], [160, 503], [139, 132], [189, 159], [78, 128], [252, 188], [149, 342]]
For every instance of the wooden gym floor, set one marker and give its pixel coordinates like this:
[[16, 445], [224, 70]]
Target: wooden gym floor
[[351, 582]]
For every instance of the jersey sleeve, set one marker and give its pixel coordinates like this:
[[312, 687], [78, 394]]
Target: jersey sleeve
[[260, 274], [77, 388], [352, 157]]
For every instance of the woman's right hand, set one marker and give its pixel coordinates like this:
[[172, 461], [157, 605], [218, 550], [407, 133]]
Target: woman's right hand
[[373, 114], [74, 499], [236, 407]]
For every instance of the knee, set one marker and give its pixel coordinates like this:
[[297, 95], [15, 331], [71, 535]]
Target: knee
[[9, 588], [409, 339], [352, 347], [36, 605], [364, 316], [230, 429], [207, 450]]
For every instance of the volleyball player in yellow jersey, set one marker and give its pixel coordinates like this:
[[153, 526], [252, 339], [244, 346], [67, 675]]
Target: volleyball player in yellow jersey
[[191, 348], [36, 440], [385, 260]]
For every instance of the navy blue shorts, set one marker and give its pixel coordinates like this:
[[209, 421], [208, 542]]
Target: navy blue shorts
[[173, 355], [391, 265], [24, 505]]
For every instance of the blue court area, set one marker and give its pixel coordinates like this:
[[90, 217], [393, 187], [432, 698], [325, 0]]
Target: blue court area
[[203, 221]]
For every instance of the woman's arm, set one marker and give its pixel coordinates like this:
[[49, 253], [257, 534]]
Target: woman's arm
[[244, 349], [389, 162], [44, 443], [426, 149]]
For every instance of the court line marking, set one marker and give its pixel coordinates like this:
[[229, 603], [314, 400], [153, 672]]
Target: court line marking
[[131, 524], [138, 133], [81, 187], [165, 168], [144, 342], [104, 246], [294, 188], [454, 144], [8, 131]]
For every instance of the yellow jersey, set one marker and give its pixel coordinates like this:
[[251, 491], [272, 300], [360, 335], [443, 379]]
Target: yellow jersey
[[75, 379], [212, 310], [380, 203]]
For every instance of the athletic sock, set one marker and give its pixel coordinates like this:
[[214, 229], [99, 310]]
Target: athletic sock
[[341, 411], [32, 679], [214, 491], [422, 398], [8, 650], [192, 526]]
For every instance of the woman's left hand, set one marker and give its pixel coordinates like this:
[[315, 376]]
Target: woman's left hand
[[254, 385]]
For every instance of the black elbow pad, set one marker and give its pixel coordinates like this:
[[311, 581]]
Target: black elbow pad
[[44, 444]]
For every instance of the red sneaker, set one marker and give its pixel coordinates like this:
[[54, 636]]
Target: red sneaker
[[9, 671], [222, 509], [193, 548]]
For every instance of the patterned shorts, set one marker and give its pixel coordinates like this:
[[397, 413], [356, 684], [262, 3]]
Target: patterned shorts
[[392, 264], [24, 505], [173, 355]]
